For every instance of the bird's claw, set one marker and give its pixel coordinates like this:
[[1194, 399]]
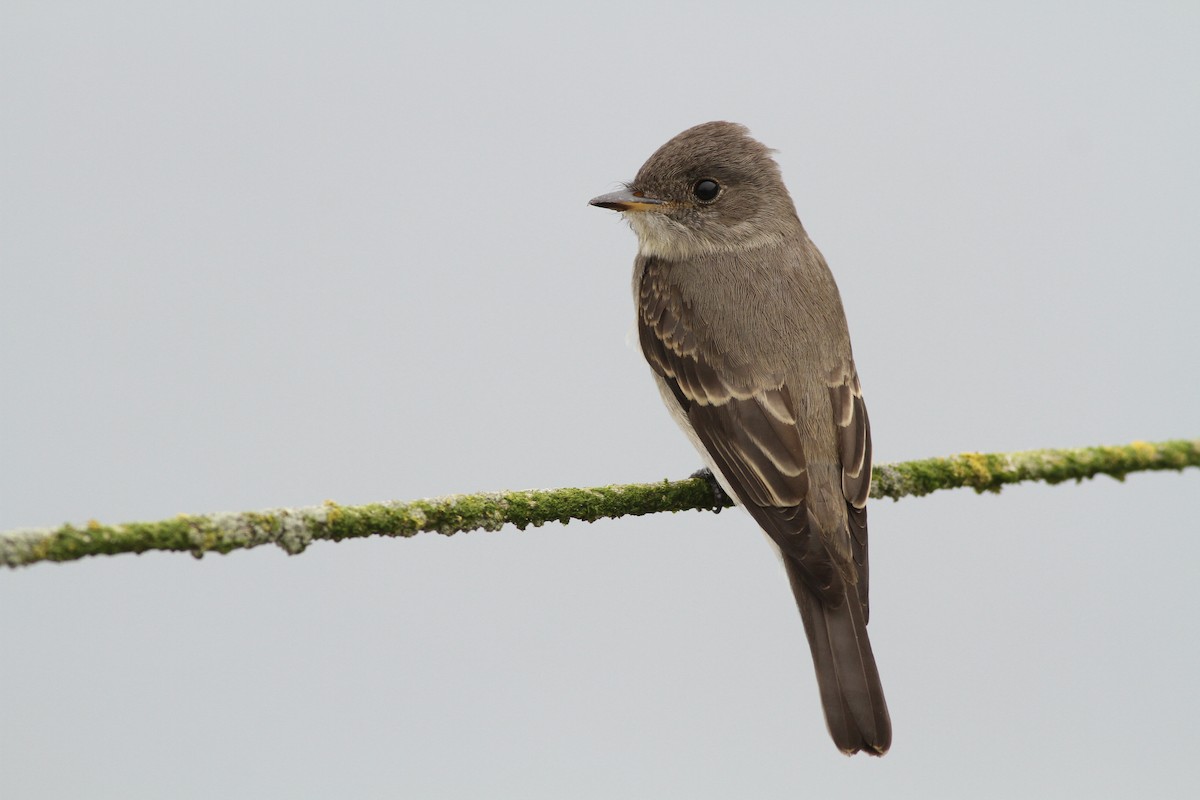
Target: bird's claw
[[721, 498]]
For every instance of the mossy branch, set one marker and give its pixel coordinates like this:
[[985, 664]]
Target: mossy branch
[[295, 529]]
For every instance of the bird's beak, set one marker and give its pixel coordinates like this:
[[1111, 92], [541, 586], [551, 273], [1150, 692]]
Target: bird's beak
[[628, 200]]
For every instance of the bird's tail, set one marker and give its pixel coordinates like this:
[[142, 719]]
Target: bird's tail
[[851, 693]]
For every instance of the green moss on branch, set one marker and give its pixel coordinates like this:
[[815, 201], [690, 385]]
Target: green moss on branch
[[988, 472], [295, 529]]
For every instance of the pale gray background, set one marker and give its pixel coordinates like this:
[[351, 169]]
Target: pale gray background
[[268, 254]]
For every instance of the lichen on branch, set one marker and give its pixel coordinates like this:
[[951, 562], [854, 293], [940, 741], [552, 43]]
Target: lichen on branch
[[293, 529]]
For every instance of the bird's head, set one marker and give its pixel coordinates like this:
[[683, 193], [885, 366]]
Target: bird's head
[[710, 189]]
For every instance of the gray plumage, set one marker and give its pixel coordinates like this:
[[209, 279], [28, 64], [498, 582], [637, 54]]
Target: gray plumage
[[742, 324]]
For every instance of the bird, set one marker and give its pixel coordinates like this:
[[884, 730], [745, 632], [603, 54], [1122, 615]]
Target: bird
[[743, 327]]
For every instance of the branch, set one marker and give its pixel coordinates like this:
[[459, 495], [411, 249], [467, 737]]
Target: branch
[[294, 529]]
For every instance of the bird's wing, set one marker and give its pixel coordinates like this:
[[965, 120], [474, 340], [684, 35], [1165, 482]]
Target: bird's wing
[[749, 428]]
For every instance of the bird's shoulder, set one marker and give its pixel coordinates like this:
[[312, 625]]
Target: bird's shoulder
[[772, 314]]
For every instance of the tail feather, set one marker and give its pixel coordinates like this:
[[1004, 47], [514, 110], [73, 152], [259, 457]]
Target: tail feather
[[847, 677]]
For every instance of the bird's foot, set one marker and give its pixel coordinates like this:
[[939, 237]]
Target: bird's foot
[[721, 498]]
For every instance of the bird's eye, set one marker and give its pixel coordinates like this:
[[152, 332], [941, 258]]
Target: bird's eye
[[706, 190]]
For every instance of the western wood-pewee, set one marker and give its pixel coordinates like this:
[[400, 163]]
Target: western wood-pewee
[[742, 324]]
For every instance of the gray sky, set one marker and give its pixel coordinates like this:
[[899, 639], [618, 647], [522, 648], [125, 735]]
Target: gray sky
[[263, 254]]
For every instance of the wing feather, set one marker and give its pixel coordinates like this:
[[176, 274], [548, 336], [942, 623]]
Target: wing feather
[[854, 453]]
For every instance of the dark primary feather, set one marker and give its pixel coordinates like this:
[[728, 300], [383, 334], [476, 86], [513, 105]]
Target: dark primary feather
[[854, 453]]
